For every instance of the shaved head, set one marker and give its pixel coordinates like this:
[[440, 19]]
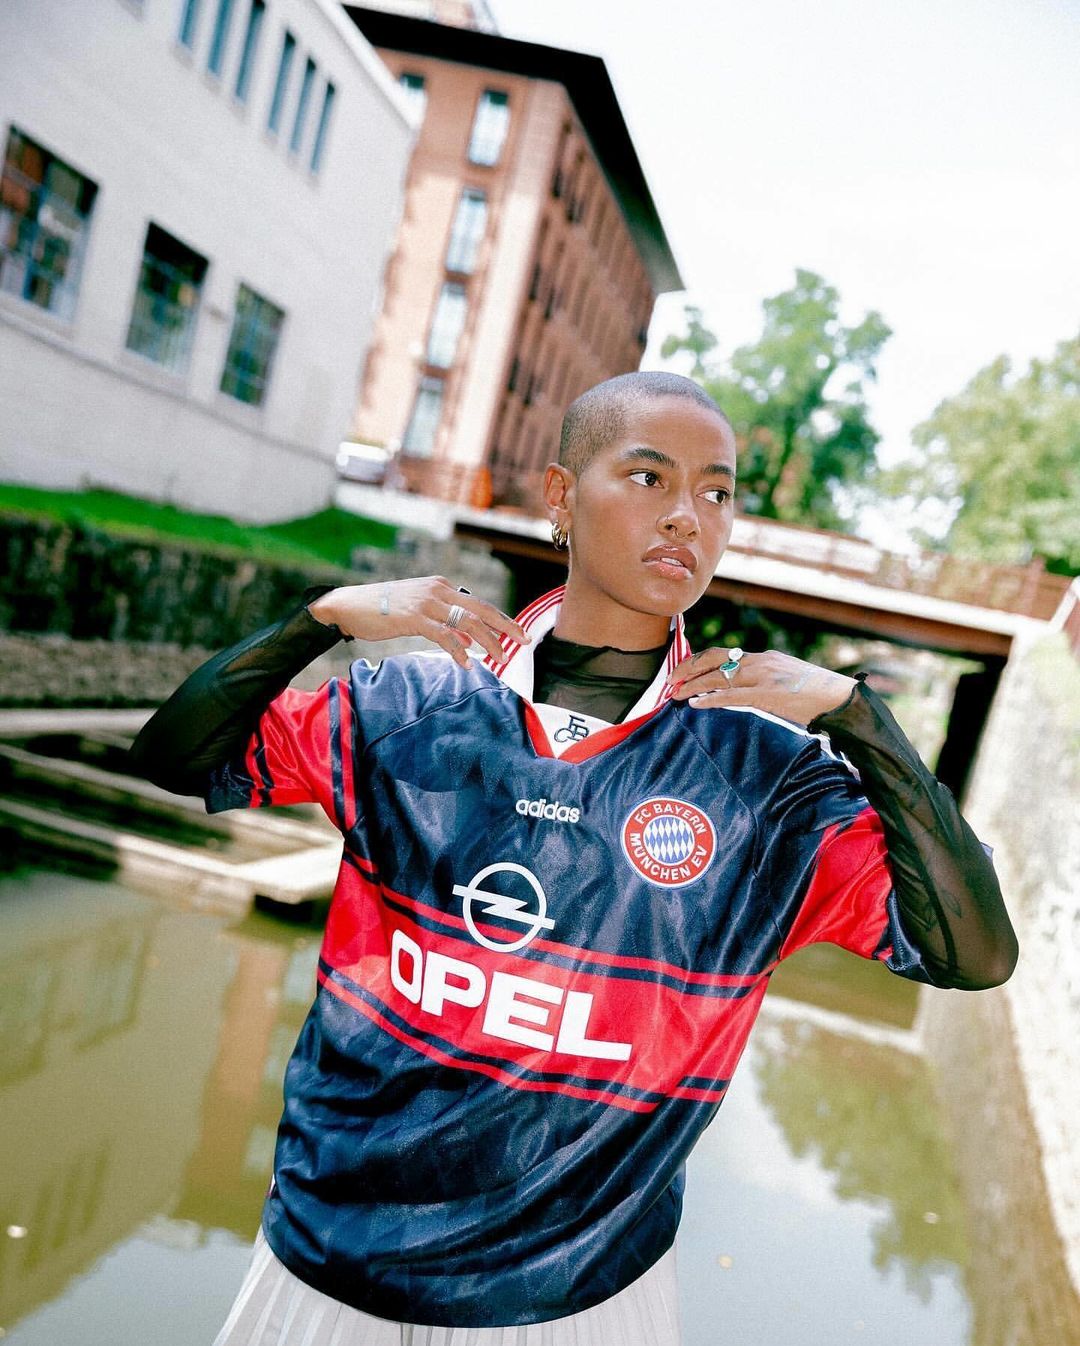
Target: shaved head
[[599, 415]]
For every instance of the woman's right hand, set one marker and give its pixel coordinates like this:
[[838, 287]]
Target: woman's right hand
[[417, 607]]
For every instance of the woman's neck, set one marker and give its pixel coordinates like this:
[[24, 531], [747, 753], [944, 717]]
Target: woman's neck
[[589, 618]]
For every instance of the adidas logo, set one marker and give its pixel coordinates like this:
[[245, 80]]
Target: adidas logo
[[554, 812]]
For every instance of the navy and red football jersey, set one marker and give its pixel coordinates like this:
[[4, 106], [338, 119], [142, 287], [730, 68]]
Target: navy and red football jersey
[[547, 945]]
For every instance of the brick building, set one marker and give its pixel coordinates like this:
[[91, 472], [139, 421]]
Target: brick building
[[527, 262]]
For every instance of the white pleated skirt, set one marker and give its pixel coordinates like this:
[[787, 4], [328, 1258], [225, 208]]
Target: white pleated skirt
[[275, 1308]]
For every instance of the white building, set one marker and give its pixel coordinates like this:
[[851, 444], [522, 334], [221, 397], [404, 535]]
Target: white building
[[197, 201]]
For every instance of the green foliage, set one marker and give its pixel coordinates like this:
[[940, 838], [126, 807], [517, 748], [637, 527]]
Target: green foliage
[[328, 536], [796, 398], [1005, 453]]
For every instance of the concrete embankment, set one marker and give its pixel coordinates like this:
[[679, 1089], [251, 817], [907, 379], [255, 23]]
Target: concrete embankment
[[1011, 1057]]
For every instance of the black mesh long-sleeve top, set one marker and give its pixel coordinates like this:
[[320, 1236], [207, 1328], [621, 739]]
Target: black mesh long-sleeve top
[[946, 889]]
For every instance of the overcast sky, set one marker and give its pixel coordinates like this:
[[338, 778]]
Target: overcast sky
[[923, 155]]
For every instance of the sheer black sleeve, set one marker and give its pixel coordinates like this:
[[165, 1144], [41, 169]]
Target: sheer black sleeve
[[211, 715], [948, 894]]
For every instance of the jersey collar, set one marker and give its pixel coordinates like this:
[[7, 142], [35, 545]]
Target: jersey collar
[[516, 669]]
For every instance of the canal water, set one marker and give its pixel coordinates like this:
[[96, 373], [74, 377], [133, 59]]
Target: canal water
[[142, 1048]]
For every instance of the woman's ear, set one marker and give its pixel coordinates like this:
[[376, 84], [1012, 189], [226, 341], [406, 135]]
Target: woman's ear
[[558, 489]]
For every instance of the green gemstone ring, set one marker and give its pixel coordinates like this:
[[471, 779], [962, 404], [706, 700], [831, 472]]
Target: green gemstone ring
[[731, 665]]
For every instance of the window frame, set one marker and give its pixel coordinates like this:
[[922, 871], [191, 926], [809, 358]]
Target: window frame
[[44, 200], [231, 370], [429, 383], [489, 131], [322, 128], [303, 103], [447, 324], [249, 52], [286, 56], [219, 38], [185, 343], [187, 34], [464, 244]]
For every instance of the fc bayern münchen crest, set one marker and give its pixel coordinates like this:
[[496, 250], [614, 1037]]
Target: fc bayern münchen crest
[[669, 841]]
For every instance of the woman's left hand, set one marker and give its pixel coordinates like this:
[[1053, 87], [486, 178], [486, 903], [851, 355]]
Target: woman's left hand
[[772, 681]]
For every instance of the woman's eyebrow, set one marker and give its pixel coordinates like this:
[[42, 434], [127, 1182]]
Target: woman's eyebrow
[[642, 454]]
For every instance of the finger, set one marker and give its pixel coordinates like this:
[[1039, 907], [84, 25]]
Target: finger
[[453, 642], [493, 617], [721, 696], [483, 634], [705, 661], [710, 678], [699, 687]]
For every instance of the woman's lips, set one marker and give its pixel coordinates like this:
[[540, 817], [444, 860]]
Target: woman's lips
[[669, 567]]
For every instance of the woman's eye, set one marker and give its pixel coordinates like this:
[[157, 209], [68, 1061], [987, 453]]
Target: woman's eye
[[645, 472], [722, 495]]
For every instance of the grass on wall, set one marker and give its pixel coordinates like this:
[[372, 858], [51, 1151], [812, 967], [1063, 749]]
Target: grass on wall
[[327, 537]]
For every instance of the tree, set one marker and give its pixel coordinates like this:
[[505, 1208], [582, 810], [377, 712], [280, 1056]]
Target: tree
[[1004, 454], [796, 398]]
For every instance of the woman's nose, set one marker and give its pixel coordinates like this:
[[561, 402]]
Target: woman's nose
[[681, 520]]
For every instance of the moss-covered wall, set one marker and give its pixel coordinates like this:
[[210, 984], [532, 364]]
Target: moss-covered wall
[[88, 618]]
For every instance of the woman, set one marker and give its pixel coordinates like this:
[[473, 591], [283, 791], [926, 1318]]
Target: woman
[[569, 870]]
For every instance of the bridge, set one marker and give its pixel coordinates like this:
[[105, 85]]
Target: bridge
[[806, 576]]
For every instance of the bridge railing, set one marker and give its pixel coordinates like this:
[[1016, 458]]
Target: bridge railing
[[1027, 590]]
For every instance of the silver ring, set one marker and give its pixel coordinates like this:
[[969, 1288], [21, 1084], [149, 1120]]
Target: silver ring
[[730, 666], [457, 613], [384, 602]]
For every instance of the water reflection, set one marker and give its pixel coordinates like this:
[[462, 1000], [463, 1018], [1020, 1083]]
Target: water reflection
[[809, 1195], [867, 1116], [142, 1049]]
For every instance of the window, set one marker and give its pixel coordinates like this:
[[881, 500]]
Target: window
[[467, 231], [281, 84], [218, 42], [256, 328], [412, 86], [302, 106], [489, 127], [251, 44], [166, 300], [45, 210], [189, 22], [446, 325], [424, 421], [320, 130]]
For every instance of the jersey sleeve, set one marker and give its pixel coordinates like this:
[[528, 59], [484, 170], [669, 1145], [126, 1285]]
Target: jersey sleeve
[[826, 865], [946, 891], [300, 752]]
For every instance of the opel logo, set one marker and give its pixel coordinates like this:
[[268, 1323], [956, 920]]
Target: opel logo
[[494, 903]]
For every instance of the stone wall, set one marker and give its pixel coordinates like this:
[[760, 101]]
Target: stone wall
[[1024, 800], [92, 619]]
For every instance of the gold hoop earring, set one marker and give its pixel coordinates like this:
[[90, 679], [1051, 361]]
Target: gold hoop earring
[[560, 537]]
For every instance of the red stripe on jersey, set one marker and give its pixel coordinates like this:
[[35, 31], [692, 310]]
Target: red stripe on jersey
[[550, 1020], [719, 979], [850, 885], [480, 1067], [537, 736], [604, 738], [526, 618]]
